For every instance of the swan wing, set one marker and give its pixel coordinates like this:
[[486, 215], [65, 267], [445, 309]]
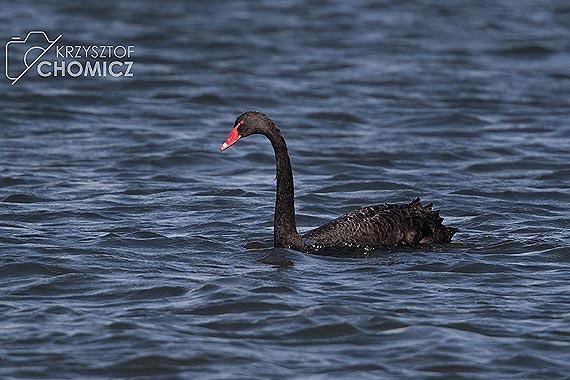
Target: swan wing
[[387, 224]]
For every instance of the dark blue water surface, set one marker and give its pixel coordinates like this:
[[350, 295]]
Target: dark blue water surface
[[131, 248]]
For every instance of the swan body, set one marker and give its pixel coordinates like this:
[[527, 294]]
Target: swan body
[[370, 227]]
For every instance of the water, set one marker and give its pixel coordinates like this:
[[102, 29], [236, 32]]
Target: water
[[130, 248]]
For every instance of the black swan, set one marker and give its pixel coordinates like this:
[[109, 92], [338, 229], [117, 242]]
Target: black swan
[[370, 227]]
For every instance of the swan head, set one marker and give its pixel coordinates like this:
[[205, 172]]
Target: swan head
[[246, 124]]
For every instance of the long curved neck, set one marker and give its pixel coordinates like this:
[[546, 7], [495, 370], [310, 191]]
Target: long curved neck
[[285, 229]]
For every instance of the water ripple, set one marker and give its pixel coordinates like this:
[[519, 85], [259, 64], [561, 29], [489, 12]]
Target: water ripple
[[131, 248]]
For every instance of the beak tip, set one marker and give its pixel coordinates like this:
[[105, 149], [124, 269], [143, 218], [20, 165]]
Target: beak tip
[[231, 140]]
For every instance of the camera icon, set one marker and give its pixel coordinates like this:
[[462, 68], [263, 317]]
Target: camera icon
[[22, 54]]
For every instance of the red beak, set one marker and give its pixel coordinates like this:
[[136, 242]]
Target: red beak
[[231, 140]]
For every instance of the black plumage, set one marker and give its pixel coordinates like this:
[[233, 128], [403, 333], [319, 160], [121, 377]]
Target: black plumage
[[382, 225], [388, 224]]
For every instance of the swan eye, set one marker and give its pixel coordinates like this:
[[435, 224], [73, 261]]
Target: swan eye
[[242, 128]]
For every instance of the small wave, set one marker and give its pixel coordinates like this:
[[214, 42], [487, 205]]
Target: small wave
[[237, 307], [151, 365], [134, 233], [138, 191], [157, 292], [23, 198], [325, 331], [479, 267], [32, 270], [11, 181], [527, 51], [225, 193], [562, 174], [62, 285]]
